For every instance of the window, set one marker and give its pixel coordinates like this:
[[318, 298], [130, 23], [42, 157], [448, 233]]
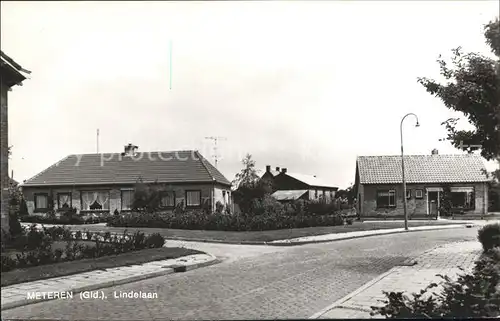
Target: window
[[168, 199], [64, 200], [41, 202], [408, 193], [463, 197], [127, 199], [92, 201], [386, 198], [193, 198], [419, 193]]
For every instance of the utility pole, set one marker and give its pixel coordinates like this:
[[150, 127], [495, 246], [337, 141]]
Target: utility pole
[[97, 140], [215, 139]]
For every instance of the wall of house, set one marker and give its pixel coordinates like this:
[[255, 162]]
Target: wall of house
[[4, 160], [416, 207], [360, 198], [115, 201], [328, 197], [220, 196]]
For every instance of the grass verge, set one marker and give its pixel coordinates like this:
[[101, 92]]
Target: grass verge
[[73, 267], [260, 236]]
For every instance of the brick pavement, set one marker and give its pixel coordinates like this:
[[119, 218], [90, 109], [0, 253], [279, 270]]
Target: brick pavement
[[444, 259], [277, 283], [17, 294]]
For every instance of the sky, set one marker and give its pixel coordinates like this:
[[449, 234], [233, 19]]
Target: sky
[[304, 85]]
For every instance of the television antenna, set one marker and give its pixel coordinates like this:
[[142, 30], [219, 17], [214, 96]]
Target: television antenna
[[215, 139]]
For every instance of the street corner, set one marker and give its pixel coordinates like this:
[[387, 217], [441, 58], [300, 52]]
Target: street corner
[[191, 262]]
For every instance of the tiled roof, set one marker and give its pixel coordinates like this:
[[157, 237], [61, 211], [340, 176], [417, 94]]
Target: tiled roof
[[310, 180], [421, 169], [288, 195], [98, 169], [6, 60]]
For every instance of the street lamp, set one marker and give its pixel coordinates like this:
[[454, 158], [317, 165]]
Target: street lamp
[[403, 166]]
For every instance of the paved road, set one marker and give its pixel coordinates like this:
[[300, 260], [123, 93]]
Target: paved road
[[254, 282]]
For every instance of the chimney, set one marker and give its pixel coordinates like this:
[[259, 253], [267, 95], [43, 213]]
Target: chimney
[[268, 168], [130, 150], [434, 152], [283, 170], [277, 169]]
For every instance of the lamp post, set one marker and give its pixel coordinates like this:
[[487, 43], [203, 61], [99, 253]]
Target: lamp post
[[403, 166]]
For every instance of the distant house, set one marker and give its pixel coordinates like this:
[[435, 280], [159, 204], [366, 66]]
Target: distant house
[[379, 184], [103, 183], [11, 74], [270, 174], [291, 186]]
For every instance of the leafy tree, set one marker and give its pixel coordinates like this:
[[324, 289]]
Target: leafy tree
[[445, 202], [246, 195], [147, 197], [473, 88], [249, 187], [248, 175], [494, 191]]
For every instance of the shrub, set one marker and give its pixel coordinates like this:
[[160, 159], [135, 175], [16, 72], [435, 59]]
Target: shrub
[[470, 296], [489, 236], [138, 239], [154, 241], [249, 191], [8, 263], [219, 208], [36, 246], [338, 220], [15, 227], [266, 219], [50, 218]]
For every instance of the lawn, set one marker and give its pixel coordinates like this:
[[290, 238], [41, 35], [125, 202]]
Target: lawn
[[80, 266], [260, 236]]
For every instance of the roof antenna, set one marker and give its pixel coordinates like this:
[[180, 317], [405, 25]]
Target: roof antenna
[[215, 139], [97, 140]]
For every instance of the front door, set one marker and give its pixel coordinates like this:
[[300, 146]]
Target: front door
[[433, 203]]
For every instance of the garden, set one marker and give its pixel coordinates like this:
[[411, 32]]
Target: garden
[[264, 214], [259, 211], [33, 253]]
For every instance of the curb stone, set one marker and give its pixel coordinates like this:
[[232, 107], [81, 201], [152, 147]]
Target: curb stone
[[360, 236], [338, 303], [213, 260]]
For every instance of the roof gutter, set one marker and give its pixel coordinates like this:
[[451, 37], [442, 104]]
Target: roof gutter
[[116, 183]]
